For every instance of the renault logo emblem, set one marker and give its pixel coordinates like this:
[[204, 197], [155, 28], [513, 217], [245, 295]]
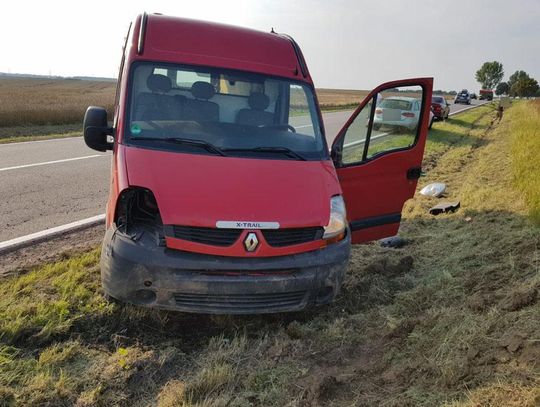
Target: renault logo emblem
[[251, 242]]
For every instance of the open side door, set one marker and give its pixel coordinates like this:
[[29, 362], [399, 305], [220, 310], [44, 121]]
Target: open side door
[[378, 155]]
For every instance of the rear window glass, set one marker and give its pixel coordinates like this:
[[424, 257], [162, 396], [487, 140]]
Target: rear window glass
[[223, 84], [437, 99], [396, 104]]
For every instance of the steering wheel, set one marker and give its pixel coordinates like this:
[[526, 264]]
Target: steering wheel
[[278, 126]]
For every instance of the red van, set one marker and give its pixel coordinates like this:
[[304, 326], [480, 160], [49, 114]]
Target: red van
[[225, 196]]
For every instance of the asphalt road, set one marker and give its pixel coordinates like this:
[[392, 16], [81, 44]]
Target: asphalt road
[[48, 183]]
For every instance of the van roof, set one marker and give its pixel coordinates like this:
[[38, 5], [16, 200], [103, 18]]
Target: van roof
[[182, 40]]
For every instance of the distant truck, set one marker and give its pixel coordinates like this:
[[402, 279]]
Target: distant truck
[[486, 94]]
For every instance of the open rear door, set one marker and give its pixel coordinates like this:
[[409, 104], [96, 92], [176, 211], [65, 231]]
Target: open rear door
[[378, 155]]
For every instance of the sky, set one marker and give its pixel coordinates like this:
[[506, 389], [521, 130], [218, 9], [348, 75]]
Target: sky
[[349, 44]]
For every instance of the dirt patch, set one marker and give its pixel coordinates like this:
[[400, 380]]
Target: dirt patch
[[330, 377], [519, 299], [59, 248]]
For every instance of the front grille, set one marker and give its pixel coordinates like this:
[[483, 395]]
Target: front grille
[[240, 303], [226, 237], [287, 237], [211, 236]]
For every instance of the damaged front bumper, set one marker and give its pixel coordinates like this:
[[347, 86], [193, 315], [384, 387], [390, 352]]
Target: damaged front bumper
[[142, 272]]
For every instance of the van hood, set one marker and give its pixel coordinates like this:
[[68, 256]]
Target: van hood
[[200, 190]]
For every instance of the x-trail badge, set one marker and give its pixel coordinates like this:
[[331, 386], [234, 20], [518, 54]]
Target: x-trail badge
[[251, 242]]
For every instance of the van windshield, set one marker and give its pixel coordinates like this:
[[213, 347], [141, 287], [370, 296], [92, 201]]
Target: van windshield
[[230, 113]]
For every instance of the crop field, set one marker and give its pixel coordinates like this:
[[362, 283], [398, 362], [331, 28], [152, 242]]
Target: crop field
[[36, 101], [451, 319]]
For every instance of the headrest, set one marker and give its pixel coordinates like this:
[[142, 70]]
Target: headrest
[[158, 83], [258, 101], [202, 90]]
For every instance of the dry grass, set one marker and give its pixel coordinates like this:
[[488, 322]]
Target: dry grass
[[451, 319], [29, 101], [337, 99], [525, 132]]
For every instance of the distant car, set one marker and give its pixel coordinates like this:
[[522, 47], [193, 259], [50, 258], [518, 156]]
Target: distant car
[[440, 107], [398, 111], [473, 96], [463, 97]]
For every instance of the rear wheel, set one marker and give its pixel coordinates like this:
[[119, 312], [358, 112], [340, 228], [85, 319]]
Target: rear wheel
[[376, 127]]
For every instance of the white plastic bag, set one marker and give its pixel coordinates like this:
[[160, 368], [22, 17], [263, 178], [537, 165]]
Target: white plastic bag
[[435, 189]]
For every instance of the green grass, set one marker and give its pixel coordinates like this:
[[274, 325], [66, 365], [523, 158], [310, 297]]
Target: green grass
[[525, 147], [32, 133], [451, 319]]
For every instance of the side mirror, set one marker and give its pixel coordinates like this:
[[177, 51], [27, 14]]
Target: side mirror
[[96, 129]]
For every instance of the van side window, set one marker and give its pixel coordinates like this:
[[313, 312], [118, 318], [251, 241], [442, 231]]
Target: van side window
[[300, 112], [186, 79], [119, 81]]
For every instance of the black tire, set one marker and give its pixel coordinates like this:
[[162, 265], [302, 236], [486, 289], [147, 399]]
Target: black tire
[[376, 127]]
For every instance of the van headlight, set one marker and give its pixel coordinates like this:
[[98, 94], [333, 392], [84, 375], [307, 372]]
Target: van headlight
[[337, 225]]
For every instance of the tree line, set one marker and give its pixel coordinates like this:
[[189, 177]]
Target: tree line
[[520, 83]]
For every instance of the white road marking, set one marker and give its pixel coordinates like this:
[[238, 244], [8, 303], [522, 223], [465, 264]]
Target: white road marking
[[27, 240], [306, 125], [17, 167]]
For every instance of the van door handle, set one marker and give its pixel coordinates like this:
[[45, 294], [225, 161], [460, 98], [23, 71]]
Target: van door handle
[[414, 173]]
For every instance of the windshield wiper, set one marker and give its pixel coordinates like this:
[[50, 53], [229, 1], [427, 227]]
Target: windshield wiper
[[186, 141], [284, 150]]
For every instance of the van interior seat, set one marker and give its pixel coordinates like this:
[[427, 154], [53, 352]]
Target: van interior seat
[[156, 104], [199, 108], [256, 114]]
